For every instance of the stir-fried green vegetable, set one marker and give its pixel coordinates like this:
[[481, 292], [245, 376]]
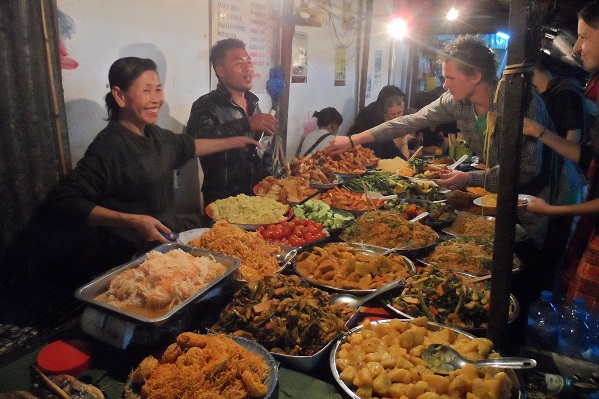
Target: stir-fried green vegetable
[[284, 314], [445, 297], [380, 182]]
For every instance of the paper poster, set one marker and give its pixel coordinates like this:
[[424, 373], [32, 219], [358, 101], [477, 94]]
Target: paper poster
[[340, 54], [250, 21], [378, 64], [299, 58]]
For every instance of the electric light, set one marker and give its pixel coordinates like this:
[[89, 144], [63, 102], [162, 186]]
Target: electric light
[[398, 28], [452, 14]]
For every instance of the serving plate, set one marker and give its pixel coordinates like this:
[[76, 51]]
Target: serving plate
[[132, 392], [360, 249], [516, 386], [522, 201], [250, 226], [90, 292], [444, 300]]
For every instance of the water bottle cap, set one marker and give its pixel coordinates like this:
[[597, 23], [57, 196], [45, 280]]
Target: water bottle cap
[[546, 295]]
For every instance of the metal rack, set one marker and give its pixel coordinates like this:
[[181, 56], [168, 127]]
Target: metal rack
[[30, 311]]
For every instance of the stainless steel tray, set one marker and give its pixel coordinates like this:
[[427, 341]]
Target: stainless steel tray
[[371, 250], [90, 291], [516, 390]]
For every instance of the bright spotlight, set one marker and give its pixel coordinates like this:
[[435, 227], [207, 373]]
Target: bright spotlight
[[452, 14], [398, 28], [502, 35]]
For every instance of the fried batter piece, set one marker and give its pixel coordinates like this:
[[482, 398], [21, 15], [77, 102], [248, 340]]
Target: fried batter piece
[[143, 371], [189, 339]]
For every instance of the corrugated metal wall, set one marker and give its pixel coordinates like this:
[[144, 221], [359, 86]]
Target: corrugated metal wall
[[33, 134]]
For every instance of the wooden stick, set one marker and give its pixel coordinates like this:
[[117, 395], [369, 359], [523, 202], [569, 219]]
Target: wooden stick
[[58, 390], [483, 278], [416, 153]]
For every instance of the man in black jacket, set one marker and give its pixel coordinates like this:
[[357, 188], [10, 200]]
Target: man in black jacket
[[231, 110]]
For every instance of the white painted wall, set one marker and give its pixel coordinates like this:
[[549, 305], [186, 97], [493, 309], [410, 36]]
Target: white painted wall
[[175, 33]]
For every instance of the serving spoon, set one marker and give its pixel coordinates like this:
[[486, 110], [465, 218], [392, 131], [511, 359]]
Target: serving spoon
[[443, 359], [375, 195], [458, 162], [355, 302]]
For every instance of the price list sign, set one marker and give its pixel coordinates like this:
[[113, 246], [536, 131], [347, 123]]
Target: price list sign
[[251, 21]]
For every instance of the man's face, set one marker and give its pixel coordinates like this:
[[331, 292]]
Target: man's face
[[587, 45], [237, 71], [457, 83], [394, 112]]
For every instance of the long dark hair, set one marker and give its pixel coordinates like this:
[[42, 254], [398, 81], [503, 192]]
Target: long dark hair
[[326, 116], [122, 74]]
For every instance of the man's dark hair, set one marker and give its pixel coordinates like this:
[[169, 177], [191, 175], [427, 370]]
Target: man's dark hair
[[218, 53], [590, 14], [471, 54]]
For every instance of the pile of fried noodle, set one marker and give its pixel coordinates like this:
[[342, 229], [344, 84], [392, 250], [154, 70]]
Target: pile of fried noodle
[[258, 257], [201, 366]]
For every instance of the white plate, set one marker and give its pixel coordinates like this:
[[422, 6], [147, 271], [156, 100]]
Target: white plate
[[479, 201], [189, 235]]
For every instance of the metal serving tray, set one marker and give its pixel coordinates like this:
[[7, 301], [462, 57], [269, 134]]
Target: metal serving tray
[[90, 291]]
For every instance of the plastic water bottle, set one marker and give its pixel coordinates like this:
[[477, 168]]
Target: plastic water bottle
[[575, 334], [543, 323]]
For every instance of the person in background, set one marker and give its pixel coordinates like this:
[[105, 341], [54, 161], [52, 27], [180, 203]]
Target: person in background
[[563, 96], [231, 110], [394, 107], [123, 187], [328, 121], [582, 255], [374, 113], [434, 138]]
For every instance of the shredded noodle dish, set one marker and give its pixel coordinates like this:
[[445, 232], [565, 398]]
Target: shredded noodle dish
[[163, 281], [258, 257], [389, 229], [201, 366]]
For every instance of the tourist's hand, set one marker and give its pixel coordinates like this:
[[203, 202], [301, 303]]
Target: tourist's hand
[[338, 145], [454, 180]]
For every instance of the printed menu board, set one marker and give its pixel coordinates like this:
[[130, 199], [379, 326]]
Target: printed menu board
[[253, 22]]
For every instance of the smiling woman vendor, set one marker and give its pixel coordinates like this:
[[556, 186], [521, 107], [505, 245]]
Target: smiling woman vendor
[[124, 183]]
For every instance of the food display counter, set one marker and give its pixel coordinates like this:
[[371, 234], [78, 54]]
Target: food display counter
[[115, 354]]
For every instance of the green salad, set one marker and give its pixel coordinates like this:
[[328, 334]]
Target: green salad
[[319, 211]]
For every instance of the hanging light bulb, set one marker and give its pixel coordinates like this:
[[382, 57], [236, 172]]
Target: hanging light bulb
[[452, 14], [398, 28]]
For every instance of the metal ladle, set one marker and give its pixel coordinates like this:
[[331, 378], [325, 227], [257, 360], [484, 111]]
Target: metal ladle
[[443, 359], [355, 302]]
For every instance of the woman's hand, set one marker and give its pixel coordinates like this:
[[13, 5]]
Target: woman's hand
[[454, 180], [150, 228], [532, 128], [537, 205]]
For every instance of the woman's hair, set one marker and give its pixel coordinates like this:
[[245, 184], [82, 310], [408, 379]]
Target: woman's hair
[[326, 116], [122, 74], [590, 14], [385, 93], [395, 101], [471, 54]]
